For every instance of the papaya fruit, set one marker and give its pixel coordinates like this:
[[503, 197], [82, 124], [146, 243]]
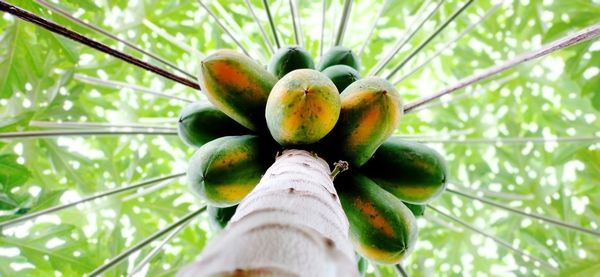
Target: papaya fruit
[[339, 55], [409, 170], [362, 264], [341, 75], [200, 123], [382, 228], [223, 171], [371, 111], [237, 86], [416, 209], [302, 108], [219, 217], [288, 59]]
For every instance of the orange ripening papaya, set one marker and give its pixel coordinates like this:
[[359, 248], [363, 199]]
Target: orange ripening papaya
[[302, 108], [382, 228], [371, 111], [237, 86]]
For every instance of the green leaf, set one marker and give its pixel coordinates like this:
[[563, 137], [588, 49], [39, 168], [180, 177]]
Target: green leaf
[[9, 76], [17, 122], [12, 174]]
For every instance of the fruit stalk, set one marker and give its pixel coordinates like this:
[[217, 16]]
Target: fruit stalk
[[292, 223]]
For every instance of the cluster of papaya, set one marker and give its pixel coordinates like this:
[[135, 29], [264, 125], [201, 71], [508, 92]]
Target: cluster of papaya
[[328, 109]]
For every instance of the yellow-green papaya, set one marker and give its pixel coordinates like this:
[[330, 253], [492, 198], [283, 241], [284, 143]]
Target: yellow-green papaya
[[409, 170], [382, 228], [200, 123], [237, 86], [223, 171], [302, 108], [371, 111]]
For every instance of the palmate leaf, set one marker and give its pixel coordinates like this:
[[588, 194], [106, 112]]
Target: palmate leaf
[[50, 246], [12, 175], [8, 63]]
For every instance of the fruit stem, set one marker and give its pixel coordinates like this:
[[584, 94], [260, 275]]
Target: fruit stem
[[340, 166]]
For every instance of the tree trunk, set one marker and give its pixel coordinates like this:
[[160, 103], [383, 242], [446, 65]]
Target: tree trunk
[[291, 224]]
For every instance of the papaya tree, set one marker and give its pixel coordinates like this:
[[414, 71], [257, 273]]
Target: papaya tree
[[310, 153]]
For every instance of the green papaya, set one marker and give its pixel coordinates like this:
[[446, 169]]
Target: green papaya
[[416, 209], [302, 108], [382, 228], [237, 86], [219, 217], [339, 55], [288, 59], [341, 75], [409, 170], [362, 264], [223, 171], [371, 111], [200, 123]]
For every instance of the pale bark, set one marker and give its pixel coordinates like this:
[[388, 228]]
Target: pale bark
[[291, 224]]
